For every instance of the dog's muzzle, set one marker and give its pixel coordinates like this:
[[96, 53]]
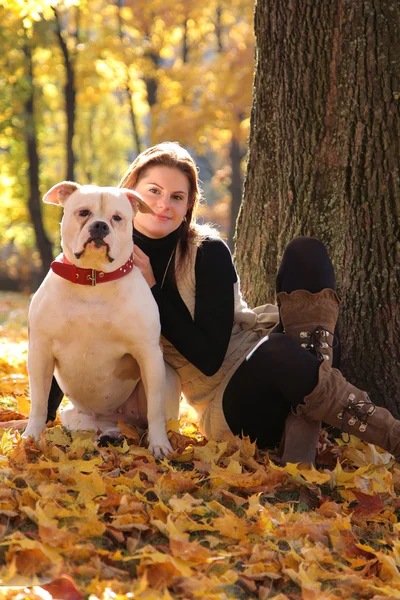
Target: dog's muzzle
[[97, 232]]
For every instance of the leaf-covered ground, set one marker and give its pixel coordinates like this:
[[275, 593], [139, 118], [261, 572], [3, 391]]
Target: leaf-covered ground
[[218, 521]]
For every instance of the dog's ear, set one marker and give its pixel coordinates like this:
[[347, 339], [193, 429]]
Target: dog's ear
[[137, 202], [61, 192]]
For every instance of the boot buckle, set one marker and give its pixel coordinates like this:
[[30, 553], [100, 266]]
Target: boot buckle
[[340, 415], [304, 334], [359, 410]]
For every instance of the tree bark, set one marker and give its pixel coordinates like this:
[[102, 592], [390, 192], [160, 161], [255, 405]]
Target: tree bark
[[324, 161], [34, 200], [236, 185]]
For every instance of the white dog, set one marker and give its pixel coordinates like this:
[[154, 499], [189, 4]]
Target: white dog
[[94, 322]]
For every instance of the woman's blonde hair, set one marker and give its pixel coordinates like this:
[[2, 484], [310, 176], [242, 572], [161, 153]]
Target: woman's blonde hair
[[171, 154]]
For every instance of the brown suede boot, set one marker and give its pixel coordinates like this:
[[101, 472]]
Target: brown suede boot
[[299, 440], [337, 402], [311, 319]]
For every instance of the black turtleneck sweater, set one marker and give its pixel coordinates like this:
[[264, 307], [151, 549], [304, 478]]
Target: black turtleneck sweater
[[204, 339]]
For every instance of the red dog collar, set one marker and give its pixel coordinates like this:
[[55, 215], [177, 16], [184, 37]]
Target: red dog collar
[[62, 267]]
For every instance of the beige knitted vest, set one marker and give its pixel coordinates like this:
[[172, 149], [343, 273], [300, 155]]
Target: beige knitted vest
[[204, 393]]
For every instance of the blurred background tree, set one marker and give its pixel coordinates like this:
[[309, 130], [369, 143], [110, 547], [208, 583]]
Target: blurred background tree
[[87, 84]]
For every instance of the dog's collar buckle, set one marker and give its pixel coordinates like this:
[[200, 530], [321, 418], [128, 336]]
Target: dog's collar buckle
[[92, 277]]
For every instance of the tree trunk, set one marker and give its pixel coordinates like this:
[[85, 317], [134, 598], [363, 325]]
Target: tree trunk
[[135, 129], [151, 84], [324, 161], [236, 184], [34, 200], [128, 85], [70, 97], [218, 29], [185, 45]]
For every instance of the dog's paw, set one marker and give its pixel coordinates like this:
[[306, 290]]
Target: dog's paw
[[160, 448], [106, 438], [34, 429]]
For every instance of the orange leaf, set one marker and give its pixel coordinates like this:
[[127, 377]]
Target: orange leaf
[[177, 482], [129, 431], [368, 505], [189, 551], [63, 588], [159, 575], [7, 414]]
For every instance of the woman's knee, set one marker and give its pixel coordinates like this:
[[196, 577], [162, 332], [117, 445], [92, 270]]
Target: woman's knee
[[277, 351], [305, 265], [304, 247]]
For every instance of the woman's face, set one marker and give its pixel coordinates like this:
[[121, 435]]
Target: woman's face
[[166, 191]]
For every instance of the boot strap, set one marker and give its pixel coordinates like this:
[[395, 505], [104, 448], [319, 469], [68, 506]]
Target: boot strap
[[358, 410]]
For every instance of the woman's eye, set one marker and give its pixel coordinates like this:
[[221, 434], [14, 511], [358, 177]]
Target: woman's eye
[[154, 190], [84, 213], [178, 198], [117, 218]]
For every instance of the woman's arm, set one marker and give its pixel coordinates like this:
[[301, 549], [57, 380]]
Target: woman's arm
[[203, 340]]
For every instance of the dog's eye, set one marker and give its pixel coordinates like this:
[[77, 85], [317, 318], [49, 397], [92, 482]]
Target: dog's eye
[[117, 218], [84, 213]]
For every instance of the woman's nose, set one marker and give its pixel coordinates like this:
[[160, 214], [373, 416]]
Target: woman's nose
[[163, 201]]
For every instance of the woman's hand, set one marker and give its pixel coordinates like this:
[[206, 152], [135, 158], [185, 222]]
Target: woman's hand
[[142, 261]]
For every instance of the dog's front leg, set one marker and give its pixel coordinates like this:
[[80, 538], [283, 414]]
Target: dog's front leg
[[153, 376], [41, 369]]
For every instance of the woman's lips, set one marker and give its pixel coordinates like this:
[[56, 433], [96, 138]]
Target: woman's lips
[[161, 218]]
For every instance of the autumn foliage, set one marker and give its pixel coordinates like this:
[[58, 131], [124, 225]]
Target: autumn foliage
[[217, 521], [88, 84]]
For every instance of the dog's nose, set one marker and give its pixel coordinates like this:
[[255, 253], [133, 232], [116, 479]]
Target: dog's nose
[[99, 229]]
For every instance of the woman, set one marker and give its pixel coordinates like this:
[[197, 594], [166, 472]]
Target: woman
[[239, 379]]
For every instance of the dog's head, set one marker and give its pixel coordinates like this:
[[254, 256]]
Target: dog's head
[[96, 227]]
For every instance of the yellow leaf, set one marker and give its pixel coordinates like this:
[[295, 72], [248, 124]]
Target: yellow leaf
[[173, 425], [211, 453], [82, 441], [301, 473], [91, 529], [89, 486], [186, 504], [24, 405], [182, 457], [234, 467], [231, 526], [71, 467], [56, 435]]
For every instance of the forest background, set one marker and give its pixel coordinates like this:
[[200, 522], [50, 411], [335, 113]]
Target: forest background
[[85, 85]]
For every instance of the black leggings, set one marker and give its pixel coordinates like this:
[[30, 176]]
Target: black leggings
[[279, 373]]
